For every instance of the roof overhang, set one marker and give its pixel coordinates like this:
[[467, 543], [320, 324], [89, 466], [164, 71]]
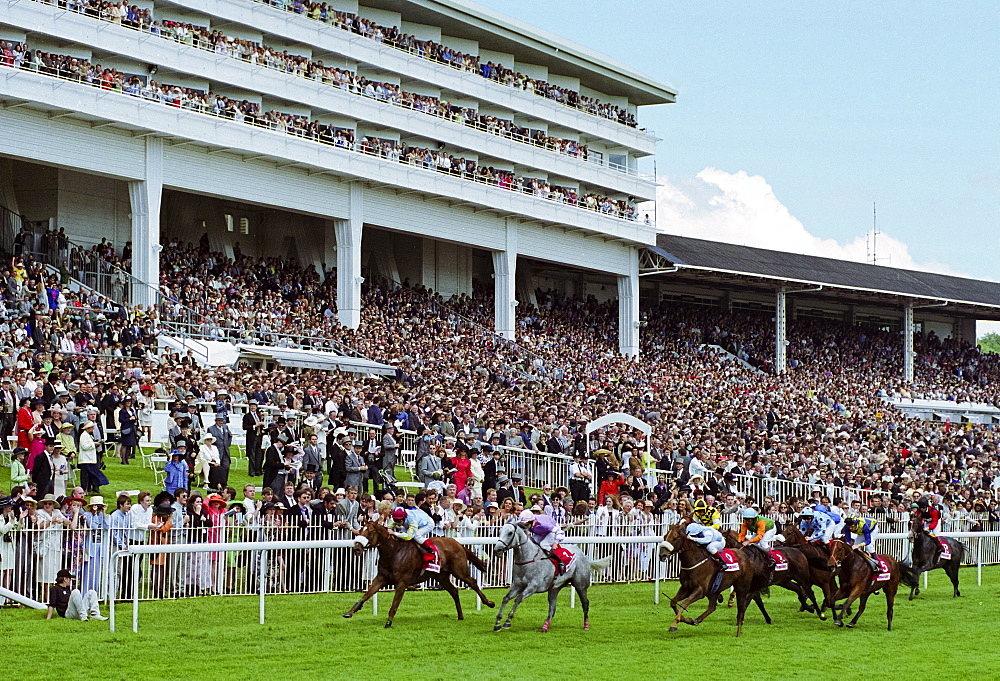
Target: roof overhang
[[314, 359]]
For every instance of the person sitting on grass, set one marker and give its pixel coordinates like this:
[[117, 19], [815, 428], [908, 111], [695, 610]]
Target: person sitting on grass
[[71, 603]]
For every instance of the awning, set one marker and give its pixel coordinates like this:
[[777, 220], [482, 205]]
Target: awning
[[314, 359]]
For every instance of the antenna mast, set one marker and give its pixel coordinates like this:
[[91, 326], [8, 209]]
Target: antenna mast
[[872, 240]]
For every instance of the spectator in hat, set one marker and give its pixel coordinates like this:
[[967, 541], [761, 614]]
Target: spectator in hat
[[43, 473], [273, 462], [127, 430], [175, 472], [18, 473], [98, 524], [211, 463], [223, 442], [60, 468], [72, 603]]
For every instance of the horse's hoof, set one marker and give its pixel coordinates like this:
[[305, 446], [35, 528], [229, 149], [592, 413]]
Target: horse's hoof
[[695, 623], [348, 614], [850, 625], [489, 604], [496, 627], [586, 627], [917, 592], [672, 630], [506, 625], [838, 623], [545, 628], [822, 617], [388, 625]]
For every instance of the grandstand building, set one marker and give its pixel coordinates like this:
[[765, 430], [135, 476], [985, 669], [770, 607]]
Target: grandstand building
[[431, 141]]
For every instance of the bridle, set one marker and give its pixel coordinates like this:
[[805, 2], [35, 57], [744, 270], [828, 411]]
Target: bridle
[[507, 547]]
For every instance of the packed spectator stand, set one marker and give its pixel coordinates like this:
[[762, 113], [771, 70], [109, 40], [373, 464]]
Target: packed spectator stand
[[474, 420]]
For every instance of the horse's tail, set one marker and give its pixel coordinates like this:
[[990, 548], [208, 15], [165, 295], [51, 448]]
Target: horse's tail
[[475, 560], [600, 565], [907, 576]]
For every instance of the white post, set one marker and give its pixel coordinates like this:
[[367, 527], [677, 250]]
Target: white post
[[112, 586], [628, 308], [780, 319], [908, 343], [925, 580], [136, 560], [572, 597], [504, 275], [659, 571], [349, 277], [262, 581], [145, 196], [979, 561]]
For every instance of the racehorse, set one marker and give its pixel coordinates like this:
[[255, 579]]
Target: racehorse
[[857, 581], [797, 578], [698, 570], [926, 556], [534, 572], [818, 557], [401, 562]]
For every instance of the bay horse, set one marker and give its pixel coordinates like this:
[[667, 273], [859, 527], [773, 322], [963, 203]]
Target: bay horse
[[857, 581], [699, 569], [797, 578], [817, 555], [401, 562], [534, 573], [926, 555]]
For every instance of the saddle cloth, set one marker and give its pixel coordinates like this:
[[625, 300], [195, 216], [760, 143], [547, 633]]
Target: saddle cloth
[[432, 563], [945, 549], [883, 574], [780, 562], [731, 561], [565, 556]]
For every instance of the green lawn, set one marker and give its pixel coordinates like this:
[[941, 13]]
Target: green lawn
[[934, 637]]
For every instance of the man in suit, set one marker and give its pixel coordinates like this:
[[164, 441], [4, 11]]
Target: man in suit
[[273, 465], [253, 426], [336, 460], [312, 479], [374, 415], [8, 409], [356, 467], [518, 491], [42, 472], [223, 440], [312, 455]]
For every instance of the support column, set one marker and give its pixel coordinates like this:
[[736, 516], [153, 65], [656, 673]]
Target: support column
[[908, 343], [145, 196], [504, 281], [780, 363], [349, 277], [628, 308]]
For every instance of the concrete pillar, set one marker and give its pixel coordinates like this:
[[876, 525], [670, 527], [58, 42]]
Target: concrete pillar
[[145, 196], [908, 343], [628, 308], [780, 363], [726, 302], [504, 282], [349, 277], [851, 316]]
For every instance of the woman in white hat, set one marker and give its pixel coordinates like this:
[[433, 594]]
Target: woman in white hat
[[211, 463]]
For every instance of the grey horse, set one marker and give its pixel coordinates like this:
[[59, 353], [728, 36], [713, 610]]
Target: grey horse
[[534, 573]]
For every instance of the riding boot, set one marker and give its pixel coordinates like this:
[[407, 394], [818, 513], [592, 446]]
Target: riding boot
[[554, 558]]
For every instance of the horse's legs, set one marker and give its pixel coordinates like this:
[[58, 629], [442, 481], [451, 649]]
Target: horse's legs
[[713, 603], [681, 594], [444, 579], [696, 593], [581, 591], [862, 603], [517, 601], [463, 575], [915, 589], [400, 590], [952, 572], [553, 597], [732, 597], [503, 604], [372, 588], [742, 601], [760, 605], [815, 604], [890, 602]]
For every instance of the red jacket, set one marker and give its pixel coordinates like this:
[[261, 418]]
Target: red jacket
[[25, 422]]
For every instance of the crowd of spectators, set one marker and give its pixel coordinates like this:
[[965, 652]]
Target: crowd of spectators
[[731, 435], [252, 113]]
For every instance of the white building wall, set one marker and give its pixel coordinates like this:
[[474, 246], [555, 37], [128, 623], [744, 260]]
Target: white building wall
[[91, 208]]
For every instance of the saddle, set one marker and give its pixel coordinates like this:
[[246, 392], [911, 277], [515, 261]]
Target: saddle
[[779, 559], [730, 563], [883, 574], [561, 558], [945, 549]]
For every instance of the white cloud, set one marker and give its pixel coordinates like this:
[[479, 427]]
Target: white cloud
[[740, 208], [743, 209]]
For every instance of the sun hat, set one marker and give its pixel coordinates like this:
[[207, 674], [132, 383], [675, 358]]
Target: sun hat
[[96, 500]]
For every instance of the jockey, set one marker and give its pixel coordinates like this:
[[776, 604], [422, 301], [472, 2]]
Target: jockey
[[547, 533], [763, 527], [709, 537], [929, 514], [838, 521], [413, 524], [707, 515], [816, 525], [864, 533]]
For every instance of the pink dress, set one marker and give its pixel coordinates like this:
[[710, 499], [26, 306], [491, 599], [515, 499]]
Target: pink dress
[[462, 467]]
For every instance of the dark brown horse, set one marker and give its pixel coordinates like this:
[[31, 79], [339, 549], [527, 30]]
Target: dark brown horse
[[401, 562], [698, 571], [857, 581], [797, 578], [927, 556], [817, 555]]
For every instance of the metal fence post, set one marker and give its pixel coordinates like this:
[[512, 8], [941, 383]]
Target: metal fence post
[[112, 588], [136, 561], [262, 581]]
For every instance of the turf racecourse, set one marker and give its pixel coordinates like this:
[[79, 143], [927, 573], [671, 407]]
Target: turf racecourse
[[934, 637]]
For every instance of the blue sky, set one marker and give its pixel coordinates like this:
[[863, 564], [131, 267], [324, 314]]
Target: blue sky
[[817, 108]]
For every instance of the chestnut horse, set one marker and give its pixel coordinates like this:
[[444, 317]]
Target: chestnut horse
[[698, 571], [818, 557], [401, 562], [857, 581]]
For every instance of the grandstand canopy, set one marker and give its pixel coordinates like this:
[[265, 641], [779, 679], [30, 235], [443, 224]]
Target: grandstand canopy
[[727, 266], [313, 359]]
